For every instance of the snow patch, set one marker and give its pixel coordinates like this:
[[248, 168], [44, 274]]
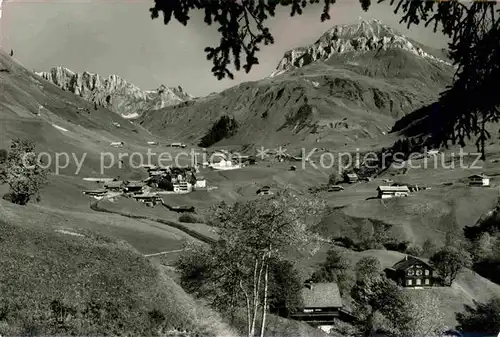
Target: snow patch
[[59, 128], [133, 115], [68, 232]]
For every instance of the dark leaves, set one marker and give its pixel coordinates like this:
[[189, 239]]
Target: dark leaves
[[241, 26]]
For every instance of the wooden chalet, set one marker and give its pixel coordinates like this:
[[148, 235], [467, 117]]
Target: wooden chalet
[[117, 144], [134, 187], [411, 272], [114, 186], [321, 305], [264, 190], [335, 188], [150, 200], [479, 180], [351, 178]]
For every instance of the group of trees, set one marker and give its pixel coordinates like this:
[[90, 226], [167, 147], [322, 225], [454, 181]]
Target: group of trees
[[20, 169], [247, 267]]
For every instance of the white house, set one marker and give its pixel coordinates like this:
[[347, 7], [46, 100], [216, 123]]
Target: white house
[[219, 161], [201, 182], [117, 144], [152, 143], [479, 180], [385, 192]]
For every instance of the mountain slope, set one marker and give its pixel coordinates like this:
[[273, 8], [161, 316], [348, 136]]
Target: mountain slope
[[338, 90], [114, 92], [60, 122]]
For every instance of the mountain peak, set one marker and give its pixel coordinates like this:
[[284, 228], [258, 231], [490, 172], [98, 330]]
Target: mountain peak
[[351, 41], [113, 92]]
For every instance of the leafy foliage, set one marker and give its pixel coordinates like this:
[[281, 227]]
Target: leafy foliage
[[449, 261], [23, 173], [376, 295], [484, 317], [241, 26], [368, 267], [420, 317], [336, 268]]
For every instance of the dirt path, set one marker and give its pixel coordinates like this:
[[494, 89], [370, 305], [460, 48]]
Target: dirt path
[[163, 253]]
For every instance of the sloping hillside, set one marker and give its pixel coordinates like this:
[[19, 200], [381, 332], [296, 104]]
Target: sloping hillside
[[337, 90], [61, 122], [99, 285], [114, 92]]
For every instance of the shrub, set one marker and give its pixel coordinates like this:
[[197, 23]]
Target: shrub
[[23, 173], [415, 250], [189, 218]]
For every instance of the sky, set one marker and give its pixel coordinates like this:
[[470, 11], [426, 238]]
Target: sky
[[119, 37]]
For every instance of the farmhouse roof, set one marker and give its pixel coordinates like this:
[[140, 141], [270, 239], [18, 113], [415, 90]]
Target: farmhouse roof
[[322, 295], [481, 176], [95, 191], [147, 196], [407, 262], [118, 183], [393, 189], [135, 184]]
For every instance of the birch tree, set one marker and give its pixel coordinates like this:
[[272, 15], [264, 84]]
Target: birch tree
[[258, 231]]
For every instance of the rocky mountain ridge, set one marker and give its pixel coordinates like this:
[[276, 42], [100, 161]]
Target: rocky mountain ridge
[[115, 93], [357, 92], [353, 40]]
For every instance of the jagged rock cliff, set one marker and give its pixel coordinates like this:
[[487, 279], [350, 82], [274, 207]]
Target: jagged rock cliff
[[114, 92], [350, 42], [366, 77]]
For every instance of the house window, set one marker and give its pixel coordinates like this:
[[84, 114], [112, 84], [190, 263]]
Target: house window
[[427, 272], [419, 272], [426, 282], [411, 272], [419, 282], [409, 282]]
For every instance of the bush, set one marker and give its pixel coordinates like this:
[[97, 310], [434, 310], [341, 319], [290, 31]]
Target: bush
[[189, 218], [415, 250]]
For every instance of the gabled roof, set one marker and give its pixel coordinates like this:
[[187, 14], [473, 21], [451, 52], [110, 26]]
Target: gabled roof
[[95, 191], [409, 261], [135, 184], [481, 176], [322, 295], [147, 196], [118, 183], [393, 189]]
